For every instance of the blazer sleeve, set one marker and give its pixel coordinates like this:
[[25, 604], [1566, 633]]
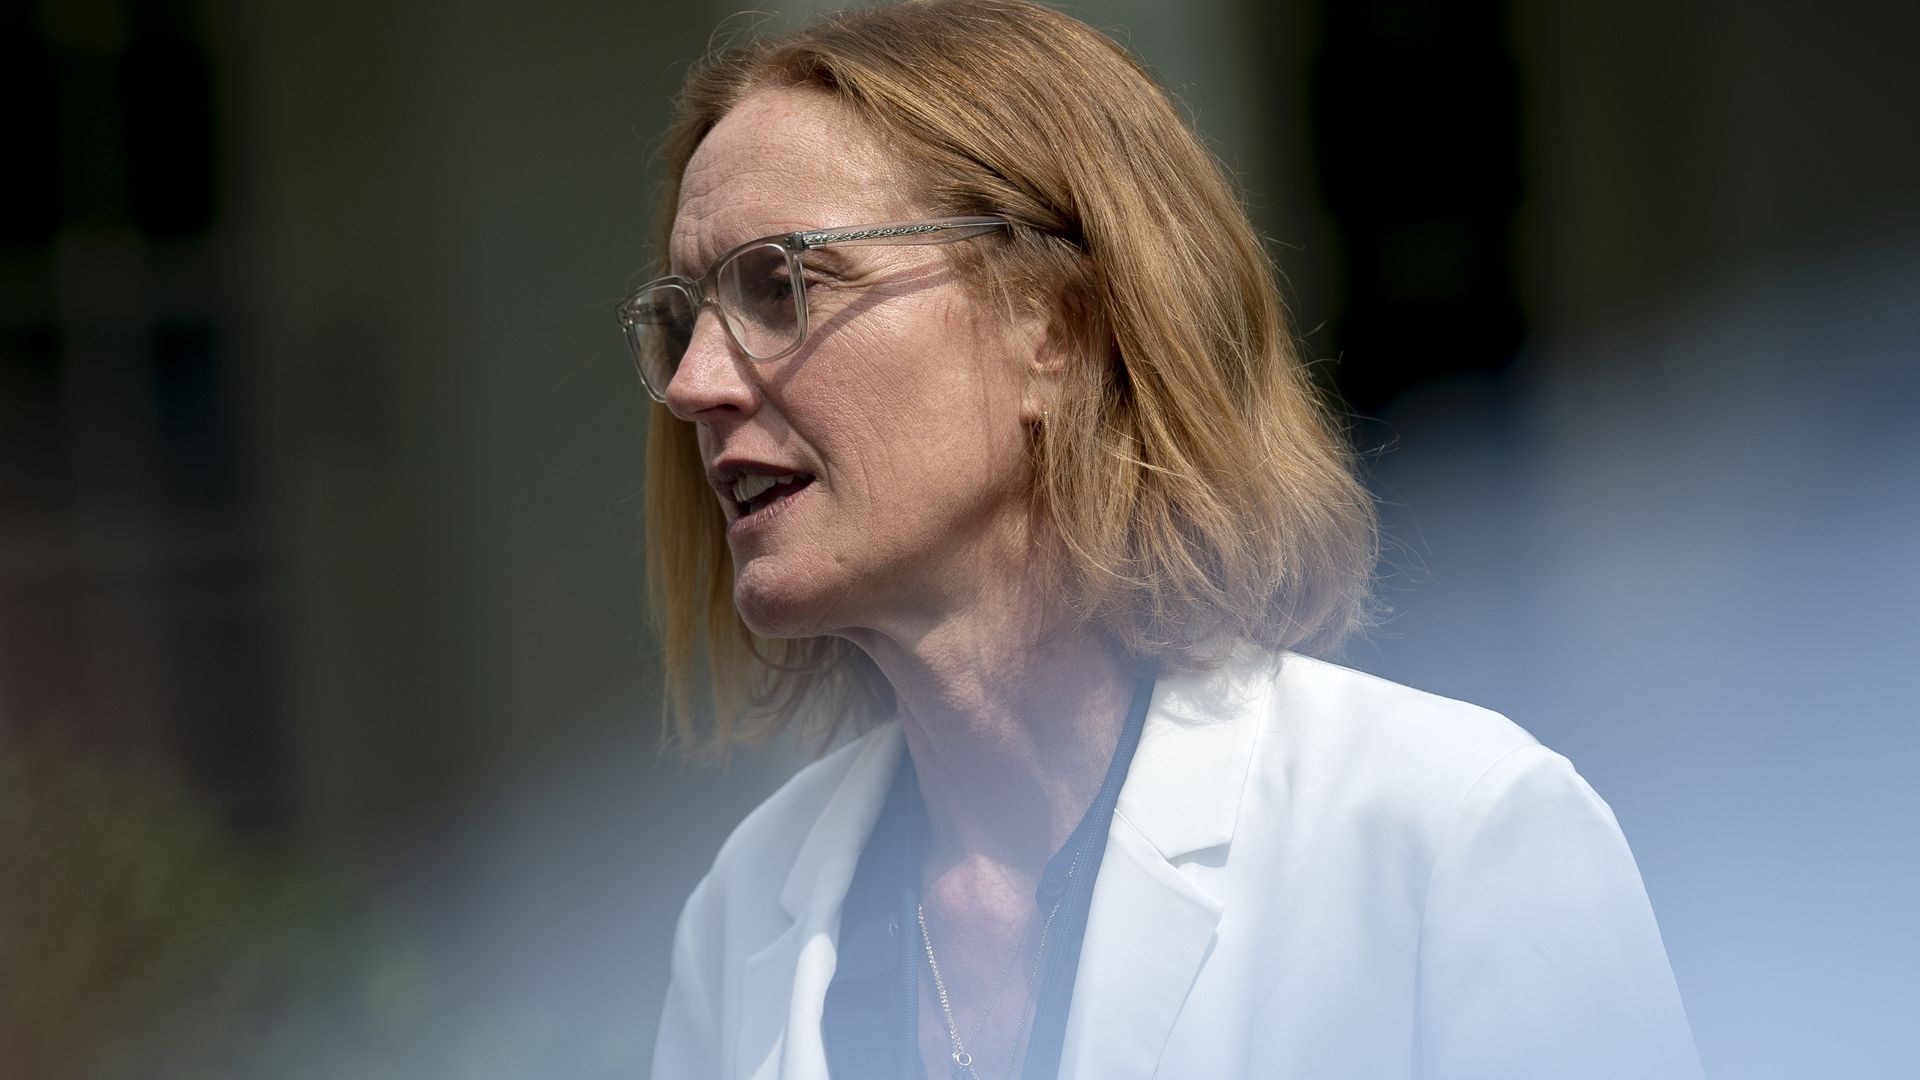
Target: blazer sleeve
[[687, 1046], [1539, 955]]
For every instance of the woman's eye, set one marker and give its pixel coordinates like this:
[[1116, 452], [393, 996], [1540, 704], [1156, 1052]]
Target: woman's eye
[[771, 293]]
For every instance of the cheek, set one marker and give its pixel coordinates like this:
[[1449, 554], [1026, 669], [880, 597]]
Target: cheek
[[910, 395], [919, 438]]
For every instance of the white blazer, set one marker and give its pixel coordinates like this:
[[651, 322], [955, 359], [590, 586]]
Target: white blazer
[[1311, 872]]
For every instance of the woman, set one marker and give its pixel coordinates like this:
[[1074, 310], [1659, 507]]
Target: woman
[[983, 436]]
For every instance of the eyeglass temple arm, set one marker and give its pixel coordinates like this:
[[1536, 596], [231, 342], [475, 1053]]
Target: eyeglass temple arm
[[935, 231]]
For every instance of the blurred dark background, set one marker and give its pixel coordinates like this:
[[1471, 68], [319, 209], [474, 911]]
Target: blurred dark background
[[328, 719]]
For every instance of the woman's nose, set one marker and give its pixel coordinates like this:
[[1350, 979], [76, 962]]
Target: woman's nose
[[712, 374]]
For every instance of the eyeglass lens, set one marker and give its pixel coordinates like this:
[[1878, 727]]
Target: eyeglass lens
[[754, 291], [661, 326]]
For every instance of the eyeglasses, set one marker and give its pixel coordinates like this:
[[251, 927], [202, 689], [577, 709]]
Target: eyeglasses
[[759, 288]]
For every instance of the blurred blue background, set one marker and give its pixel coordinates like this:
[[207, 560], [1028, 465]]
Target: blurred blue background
[[328, 719]]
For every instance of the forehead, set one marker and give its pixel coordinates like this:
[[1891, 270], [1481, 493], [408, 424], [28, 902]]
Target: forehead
[[782, 160]]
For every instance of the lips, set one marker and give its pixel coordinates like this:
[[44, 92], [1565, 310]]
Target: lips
[[754, 492], [748, 488]]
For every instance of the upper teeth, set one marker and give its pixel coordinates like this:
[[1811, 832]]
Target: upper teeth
[[749, 488]]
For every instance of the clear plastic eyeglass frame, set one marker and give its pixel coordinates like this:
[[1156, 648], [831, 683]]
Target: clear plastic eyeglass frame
[[658, 317]]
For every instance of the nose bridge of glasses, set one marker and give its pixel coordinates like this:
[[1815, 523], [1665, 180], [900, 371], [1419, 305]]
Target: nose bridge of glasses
[[700, 300]]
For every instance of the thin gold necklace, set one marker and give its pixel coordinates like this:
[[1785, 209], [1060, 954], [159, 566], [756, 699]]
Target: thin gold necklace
[[962, 1060]]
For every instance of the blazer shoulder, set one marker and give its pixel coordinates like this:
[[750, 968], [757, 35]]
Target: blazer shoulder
[[1365, 726]]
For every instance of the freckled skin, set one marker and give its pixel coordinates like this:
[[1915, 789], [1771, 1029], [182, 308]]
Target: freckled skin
[[906, 403]]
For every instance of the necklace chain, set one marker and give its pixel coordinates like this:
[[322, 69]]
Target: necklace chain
[[999, 981], [962, 1060]]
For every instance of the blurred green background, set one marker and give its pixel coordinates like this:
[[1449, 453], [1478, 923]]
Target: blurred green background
[[328, 718]]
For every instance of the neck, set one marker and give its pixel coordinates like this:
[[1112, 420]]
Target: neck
[[1011, 726]]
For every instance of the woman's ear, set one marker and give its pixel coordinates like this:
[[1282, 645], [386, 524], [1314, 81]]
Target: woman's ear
[[1050, 350]]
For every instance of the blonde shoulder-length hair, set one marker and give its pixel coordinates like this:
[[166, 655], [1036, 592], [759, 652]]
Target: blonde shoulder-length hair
[[1194, 486]]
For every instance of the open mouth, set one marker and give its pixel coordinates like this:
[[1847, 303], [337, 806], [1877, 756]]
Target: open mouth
[[754, 493]]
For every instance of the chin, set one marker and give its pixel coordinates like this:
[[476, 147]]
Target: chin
[[780, 605]]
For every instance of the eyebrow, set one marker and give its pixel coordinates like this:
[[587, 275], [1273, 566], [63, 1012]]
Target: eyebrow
[[830, 258], [679, 267], [835, 259]]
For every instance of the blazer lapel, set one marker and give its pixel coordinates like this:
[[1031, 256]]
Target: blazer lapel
[[1148, 931], [784, 985], [1151, 927]]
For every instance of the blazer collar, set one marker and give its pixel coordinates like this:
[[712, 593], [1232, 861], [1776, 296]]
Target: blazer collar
[[1183, 792], [784, 984], [823, 867], [1201, 725], [1151, 925], [1149, 928]]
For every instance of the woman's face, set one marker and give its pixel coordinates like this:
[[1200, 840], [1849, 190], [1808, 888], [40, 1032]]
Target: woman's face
[[894, 435]]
